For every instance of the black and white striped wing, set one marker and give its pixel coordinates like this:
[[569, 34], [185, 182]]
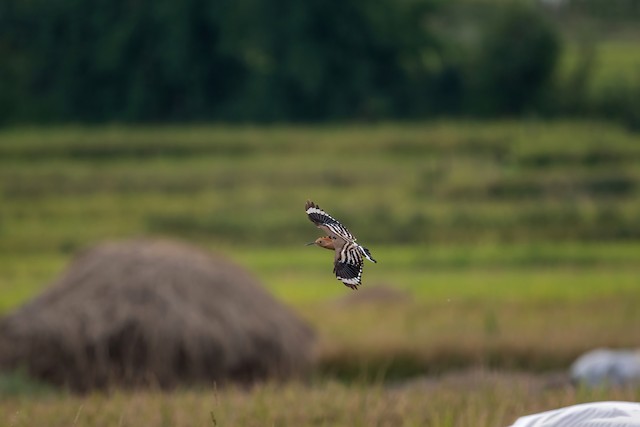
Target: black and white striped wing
[[325, 221], [348, 265]]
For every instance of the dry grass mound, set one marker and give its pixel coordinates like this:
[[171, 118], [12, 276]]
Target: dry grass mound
[[154, 313]]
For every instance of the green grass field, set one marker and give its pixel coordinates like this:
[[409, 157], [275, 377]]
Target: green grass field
[[511, 246]]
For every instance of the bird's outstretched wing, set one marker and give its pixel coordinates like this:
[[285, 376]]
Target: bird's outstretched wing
[[348, 264], [326, 222]]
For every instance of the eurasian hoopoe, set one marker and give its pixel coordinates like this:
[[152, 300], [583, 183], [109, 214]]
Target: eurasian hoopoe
[[349, 255]]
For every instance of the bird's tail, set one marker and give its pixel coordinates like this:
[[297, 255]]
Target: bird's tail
[[367, 254]]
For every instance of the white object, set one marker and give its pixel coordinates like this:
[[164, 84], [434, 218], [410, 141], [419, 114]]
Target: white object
[[607, 367], [595, 414]]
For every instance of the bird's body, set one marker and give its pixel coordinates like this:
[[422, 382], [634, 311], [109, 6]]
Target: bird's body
[[349, 255]]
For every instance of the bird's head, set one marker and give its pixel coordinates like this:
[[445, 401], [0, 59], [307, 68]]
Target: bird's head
[[324, 242]]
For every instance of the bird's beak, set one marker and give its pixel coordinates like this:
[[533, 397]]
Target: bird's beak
[[310, 243]]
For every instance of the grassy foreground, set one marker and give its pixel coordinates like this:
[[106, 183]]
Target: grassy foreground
[[478, 400]]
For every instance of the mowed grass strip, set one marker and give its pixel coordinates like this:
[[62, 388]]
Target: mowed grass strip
[[299, 275]]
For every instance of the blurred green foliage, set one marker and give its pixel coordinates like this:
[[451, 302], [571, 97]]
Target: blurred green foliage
[[76, 61], [518, 54], [114, 60], [152, 61]]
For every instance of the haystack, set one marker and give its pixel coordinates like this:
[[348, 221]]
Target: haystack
[[154, 313]]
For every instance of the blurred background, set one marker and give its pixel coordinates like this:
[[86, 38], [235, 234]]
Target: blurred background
[[226, 61], [487, 152]]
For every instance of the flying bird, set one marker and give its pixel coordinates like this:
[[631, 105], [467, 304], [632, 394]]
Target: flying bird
[[349, 256]]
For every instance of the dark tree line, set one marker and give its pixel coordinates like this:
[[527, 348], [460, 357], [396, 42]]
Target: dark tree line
[[282, 60]]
